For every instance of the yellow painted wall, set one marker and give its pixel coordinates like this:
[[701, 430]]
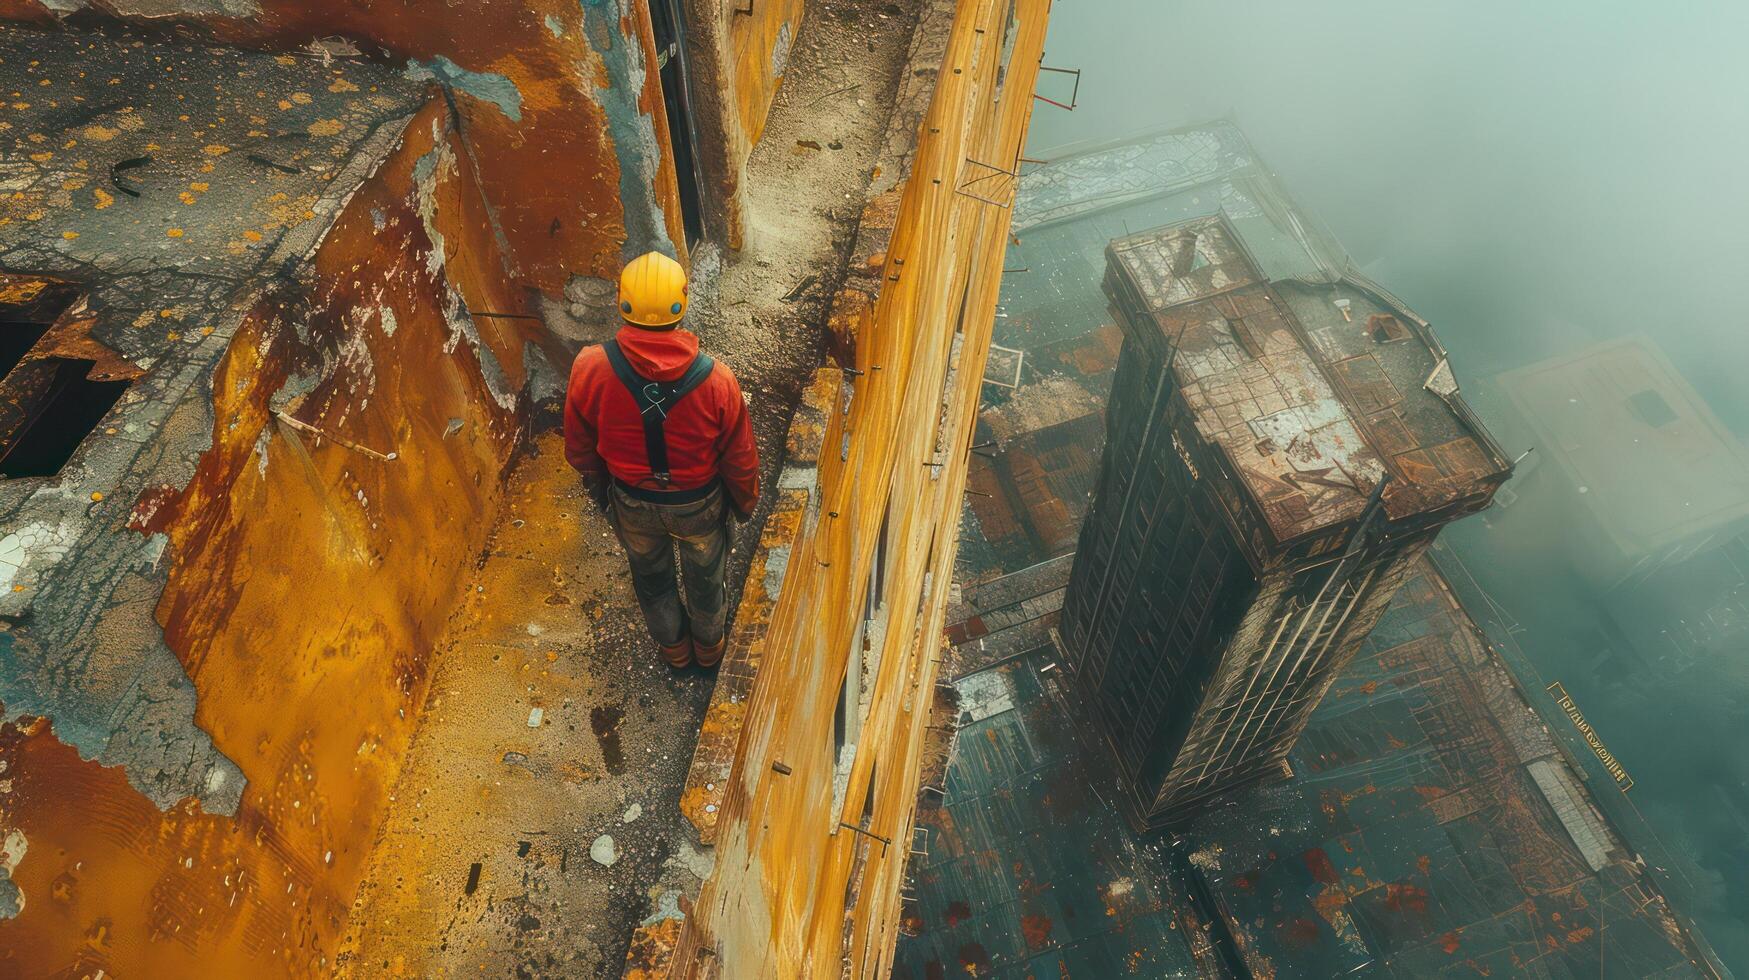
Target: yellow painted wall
[[307, 583], [776, 904]]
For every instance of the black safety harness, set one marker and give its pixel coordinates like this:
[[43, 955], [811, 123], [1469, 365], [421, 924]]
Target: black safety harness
[[655, 399]]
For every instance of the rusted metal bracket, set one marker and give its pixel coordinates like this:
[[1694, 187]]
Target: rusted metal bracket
[[1074, 94]]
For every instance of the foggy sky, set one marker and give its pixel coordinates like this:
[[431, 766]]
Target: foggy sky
[[1526, 175]]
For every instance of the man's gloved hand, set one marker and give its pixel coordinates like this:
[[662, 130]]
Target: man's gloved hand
[[601, 491]]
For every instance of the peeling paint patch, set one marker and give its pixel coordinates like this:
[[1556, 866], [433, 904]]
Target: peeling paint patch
[[11, 852], [776, 563], [555, 25], [486, 86], [386, 319], [780, 50], [426, 170], [33, 541], [261, 443], [667, 907], [632, 129]]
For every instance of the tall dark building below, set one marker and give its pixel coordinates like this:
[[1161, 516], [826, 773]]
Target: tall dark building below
[[1278, 454]]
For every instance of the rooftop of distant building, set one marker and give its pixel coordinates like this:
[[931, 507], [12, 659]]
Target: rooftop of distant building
[[1627, 429]]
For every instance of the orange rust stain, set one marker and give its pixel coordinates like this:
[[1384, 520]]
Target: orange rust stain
[[311, 581], [1036, 930], [1449, 942], [753, 40], [1298, 933], [1330, 901], [1580, 934], [1406, 898], [1318, 863]]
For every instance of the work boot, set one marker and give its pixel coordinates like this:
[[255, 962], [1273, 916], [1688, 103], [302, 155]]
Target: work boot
[[679, 656], [708, 656]]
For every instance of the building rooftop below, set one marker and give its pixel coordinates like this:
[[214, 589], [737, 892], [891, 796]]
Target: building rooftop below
[[1628, 429], [1431, 828], [1312, 391]]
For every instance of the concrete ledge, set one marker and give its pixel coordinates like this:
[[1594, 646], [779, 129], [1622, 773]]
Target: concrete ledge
[[792, 515]]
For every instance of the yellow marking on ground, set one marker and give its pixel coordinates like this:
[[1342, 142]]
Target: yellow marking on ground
[[1592, 739]]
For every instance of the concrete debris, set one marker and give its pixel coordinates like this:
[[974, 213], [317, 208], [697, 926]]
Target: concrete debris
[[603, 851], [534, 717]]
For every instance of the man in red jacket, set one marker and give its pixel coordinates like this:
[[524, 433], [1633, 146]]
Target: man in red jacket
[[661, 436]]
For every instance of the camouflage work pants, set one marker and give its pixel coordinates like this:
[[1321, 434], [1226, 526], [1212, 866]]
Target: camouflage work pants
[[651, 534]]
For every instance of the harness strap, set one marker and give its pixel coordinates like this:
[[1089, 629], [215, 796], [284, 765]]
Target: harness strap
[[655, 399]]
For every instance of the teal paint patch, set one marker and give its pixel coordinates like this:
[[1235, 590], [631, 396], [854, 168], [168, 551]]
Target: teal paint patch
[[632, 129], [486, 86]]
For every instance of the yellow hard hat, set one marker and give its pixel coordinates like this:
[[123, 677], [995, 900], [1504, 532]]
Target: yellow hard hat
[[652, 291]]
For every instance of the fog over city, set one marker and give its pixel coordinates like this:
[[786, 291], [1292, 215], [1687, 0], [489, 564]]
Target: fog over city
[[1534, 179]]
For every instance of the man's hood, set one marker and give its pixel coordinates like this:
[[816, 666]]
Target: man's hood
[[660, 355]]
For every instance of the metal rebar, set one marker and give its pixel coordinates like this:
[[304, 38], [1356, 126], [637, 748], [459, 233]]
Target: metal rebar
[[885, 843]]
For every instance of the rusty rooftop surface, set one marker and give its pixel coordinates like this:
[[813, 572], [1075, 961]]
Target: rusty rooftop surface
[[1313, 392], [1433, 828], [1627, 428], [164, 176], [159, 190]]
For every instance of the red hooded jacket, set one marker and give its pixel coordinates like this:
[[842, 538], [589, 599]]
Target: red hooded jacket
[[709, 434]]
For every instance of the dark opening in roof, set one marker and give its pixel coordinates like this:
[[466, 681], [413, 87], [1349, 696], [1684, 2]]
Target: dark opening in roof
[[17, 337], [1652, 408], [1385, 328], [64, 405], [48, 403]]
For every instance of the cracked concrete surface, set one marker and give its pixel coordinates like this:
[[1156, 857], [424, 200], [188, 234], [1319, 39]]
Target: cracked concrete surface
[[171, 255]]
